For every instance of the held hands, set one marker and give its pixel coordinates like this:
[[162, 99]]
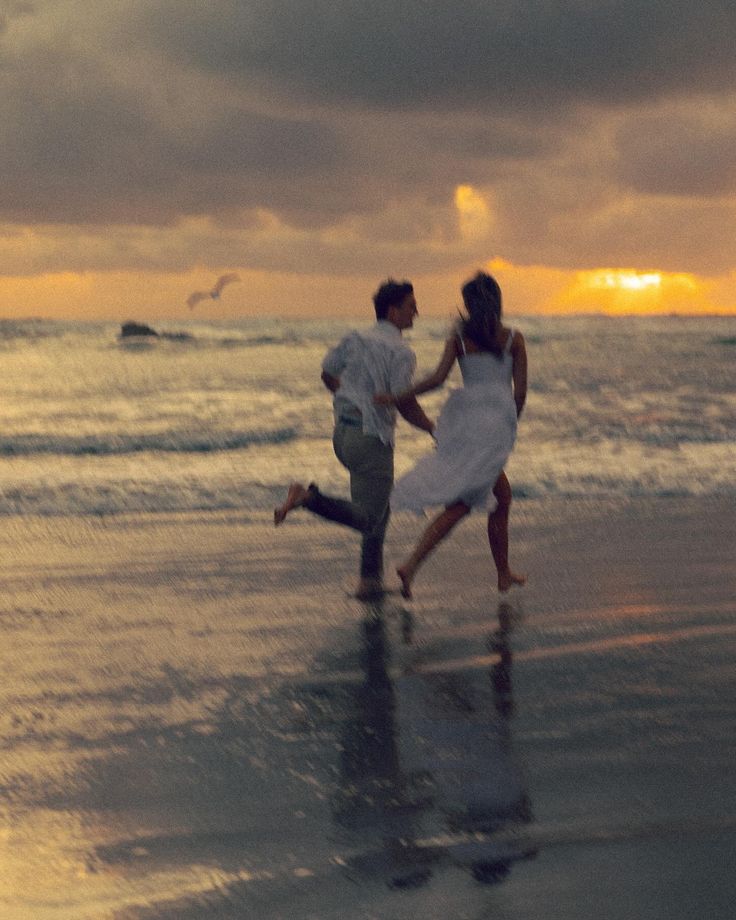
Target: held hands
[[409, 407]]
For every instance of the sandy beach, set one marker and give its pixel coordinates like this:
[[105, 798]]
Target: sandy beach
[[198, 721]]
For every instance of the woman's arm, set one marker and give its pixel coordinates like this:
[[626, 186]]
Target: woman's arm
[[518, 373], [440, 373], [434, 380]]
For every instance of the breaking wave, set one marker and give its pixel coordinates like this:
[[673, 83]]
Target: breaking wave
[[166, 441]]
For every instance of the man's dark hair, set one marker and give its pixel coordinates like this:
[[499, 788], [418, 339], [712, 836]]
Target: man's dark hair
[[390, 294]]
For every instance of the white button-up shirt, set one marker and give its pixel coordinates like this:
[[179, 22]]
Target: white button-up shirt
[[374, 361]]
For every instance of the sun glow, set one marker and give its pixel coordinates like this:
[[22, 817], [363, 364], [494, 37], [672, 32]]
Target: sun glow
[[617, 291], [474, 215], [625, 280], [614, 291]]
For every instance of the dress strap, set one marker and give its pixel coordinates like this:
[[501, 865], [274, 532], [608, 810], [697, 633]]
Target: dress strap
[[509, 340], [462, 342]]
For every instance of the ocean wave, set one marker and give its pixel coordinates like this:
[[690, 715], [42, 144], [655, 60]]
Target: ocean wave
[[613, 434], [188, 334], [607, 488], [123, 497], [205, 341], [195, 494], [116, 444], [30, 329], [255, 341]]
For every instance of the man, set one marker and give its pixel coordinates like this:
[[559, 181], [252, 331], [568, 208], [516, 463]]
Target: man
[[361, 365]]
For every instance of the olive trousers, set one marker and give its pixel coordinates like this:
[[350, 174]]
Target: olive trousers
[[370, 463]]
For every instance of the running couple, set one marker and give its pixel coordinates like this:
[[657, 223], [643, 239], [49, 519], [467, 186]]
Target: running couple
[[370, 374]]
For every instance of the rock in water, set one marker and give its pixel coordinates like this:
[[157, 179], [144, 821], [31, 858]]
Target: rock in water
[[131, 328]]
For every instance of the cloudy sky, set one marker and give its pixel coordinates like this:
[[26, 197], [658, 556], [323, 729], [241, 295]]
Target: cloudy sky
[[584, 150]]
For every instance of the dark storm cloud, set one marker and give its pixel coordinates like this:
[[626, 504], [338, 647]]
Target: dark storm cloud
[[359, 119], [688, 154], [91, 170], [93, 135], [531, 54]]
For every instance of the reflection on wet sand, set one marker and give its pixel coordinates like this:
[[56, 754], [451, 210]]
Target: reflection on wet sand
[[382, 762], [371, 790], [498, 642], [196, 726], [427, 776], [376, 800]]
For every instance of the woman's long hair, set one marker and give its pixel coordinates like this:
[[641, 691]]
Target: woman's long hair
[[482, 299]]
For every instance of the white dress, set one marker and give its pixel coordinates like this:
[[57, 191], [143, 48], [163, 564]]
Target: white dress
[[475, 434]]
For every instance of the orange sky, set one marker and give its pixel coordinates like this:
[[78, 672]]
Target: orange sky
[[119, 296]]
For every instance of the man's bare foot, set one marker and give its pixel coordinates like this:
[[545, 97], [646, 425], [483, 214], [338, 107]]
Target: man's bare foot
[[406, 576], [295, 498], [369, 589], [509, 579]]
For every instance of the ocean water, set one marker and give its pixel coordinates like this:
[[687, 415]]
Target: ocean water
[[224, 415]]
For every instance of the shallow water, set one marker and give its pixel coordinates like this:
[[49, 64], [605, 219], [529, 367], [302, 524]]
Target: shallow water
[[224, 417]]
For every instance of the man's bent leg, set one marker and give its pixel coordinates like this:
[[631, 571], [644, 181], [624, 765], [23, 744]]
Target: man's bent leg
[[338, 510], [370, 463]]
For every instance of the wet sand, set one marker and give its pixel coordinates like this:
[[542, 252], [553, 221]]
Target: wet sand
[[197, 721]]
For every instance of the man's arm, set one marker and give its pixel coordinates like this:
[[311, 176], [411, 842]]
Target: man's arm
[[414, 414], [330, 381]]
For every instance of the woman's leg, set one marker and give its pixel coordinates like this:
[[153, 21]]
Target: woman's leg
[[436, 531], [498, 535]]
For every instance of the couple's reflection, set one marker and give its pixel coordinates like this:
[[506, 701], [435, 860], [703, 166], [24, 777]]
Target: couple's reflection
[[498, 642], [373, 791], [411, 762], [369, 765]]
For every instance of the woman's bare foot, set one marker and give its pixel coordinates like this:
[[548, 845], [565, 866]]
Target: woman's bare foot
[[406, 576], [295, 498], [509, 579]]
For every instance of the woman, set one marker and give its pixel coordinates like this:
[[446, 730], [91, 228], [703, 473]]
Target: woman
[[475, 432]]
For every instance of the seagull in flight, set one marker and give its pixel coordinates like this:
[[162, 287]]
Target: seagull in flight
[[214, 294]]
